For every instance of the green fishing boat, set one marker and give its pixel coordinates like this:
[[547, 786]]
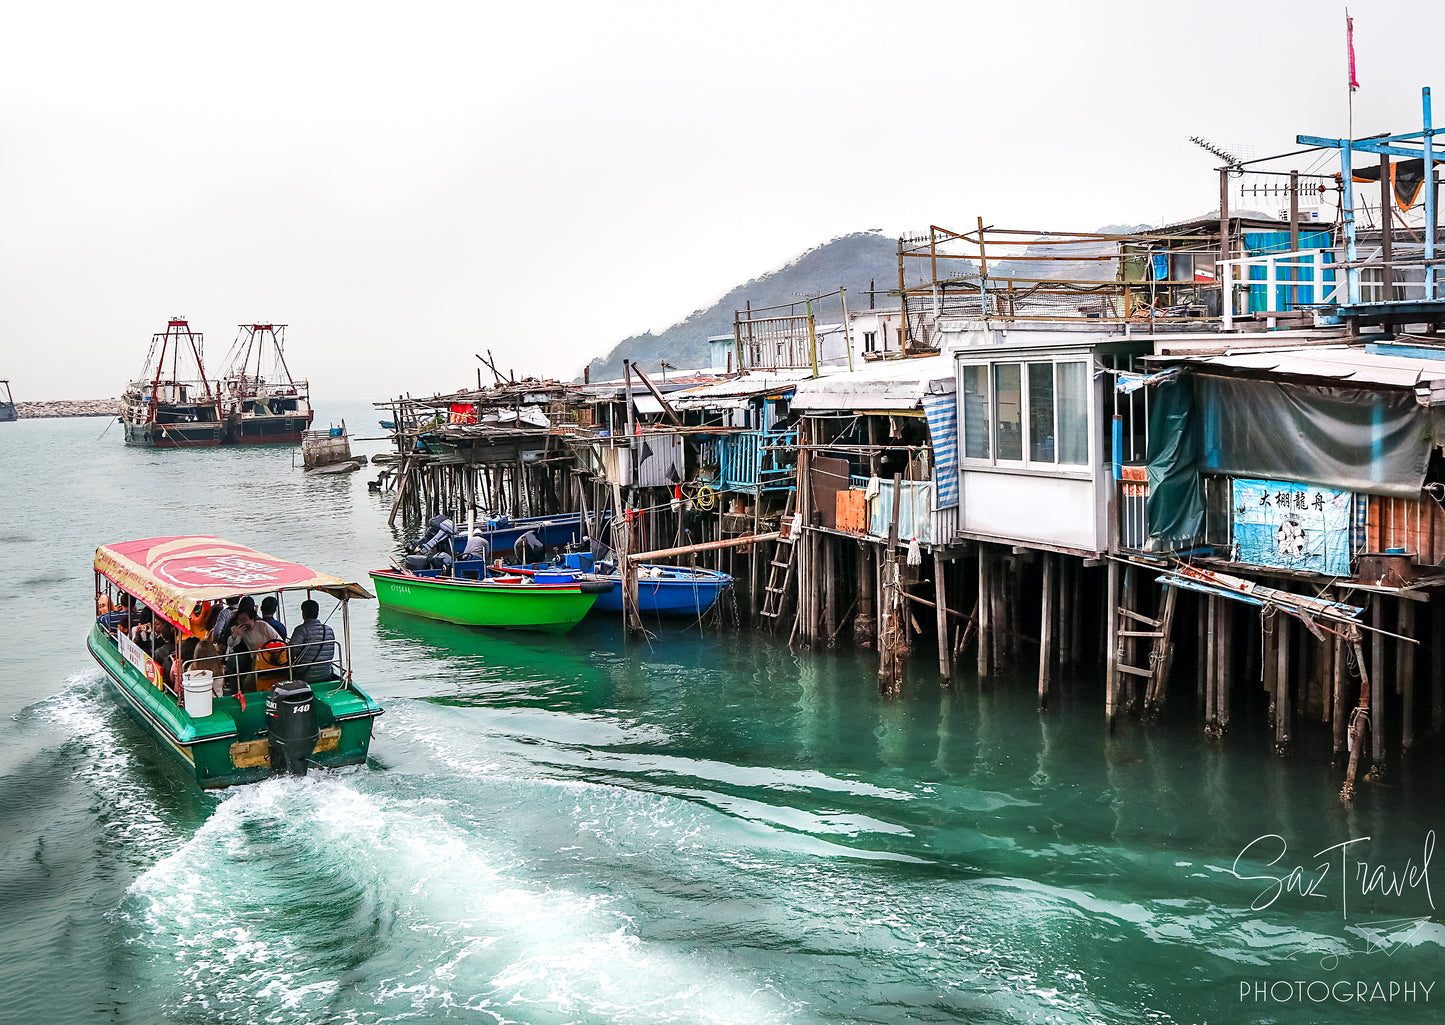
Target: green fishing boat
[[282, 708], [506, 602]]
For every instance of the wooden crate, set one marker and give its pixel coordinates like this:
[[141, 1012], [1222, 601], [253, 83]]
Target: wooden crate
[[852, 511]]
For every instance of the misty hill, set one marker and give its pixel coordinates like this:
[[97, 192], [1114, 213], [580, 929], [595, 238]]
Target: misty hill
[[851, 261]]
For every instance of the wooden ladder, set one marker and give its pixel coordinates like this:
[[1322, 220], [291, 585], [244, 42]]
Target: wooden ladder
[[775, 594], [1161, 652]]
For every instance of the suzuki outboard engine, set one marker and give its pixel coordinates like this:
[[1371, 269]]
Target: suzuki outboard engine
[[443, 532], [291, 726]]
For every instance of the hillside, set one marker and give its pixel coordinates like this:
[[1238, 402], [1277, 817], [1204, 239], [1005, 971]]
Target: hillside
[[851, 261]]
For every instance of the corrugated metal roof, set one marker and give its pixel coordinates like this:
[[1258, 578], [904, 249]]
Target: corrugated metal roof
[[887, 384], [745, 386], [1341, 363]]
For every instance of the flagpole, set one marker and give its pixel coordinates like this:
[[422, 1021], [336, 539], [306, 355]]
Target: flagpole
[[1350, 75]]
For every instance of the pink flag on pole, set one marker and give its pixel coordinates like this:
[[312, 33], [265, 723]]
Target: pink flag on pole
[[1350, 42]]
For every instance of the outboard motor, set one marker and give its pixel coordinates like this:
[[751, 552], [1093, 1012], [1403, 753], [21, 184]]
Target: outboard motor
[[443, 530], [443, 562], [291, 726]]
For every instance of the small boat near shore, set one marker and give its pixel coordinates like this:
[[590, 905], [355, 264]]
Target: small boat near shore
[[228, 719], [8, 411], [472, 598], [661, 590]]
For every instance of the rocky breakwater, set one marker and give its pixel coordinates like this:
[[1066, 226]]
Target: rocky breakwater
[[68, 407]]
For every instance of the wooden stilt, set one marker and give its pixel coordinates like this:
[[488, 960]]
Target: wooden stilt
[[1377, 689], [1282, 709], [1338, 712], [998, 576], [940, 595], [1405, 669], [1359, 721], [830, 589], [1046, 631], [985, 613], [1111, 665], [1224, 648], [1211, 663]]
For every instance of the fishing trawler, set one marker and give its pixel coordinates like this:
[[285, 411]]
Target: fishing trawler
[[172, 404], [282, 707], [7, 405], [262, 404]]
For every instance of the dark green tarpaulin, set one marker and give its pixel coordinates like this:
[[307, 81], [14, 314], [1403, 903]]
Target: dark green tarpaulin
[[1375, 441], [1356, 439], [1176, 494]]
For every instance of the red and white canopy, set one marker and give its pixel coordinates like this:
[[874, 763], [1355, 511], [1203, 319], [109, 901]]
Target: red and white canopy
[[175, 576]]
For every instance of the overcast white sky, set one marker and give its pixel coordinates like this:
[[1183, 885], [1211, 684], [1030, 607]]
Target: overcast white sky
[[408, 184]]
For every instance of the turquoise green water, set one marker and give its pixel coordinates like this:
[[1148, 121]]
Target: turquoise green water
[[709, 828]]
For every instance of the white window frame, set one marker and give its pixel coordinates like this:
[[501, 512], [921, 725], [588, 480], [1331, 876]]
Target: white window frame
[[1027, 464]]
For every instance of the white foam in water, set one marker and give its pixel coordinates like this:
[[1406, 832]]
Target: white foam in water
[[107, 762], [427, 920]]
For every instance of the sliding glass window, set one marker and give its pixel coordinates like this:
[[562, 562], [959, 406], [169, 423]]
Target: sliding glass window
[[1035, 414]]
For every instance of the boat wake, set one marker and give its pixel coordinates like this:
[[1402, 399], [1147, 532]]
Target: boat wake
[[307, 899]]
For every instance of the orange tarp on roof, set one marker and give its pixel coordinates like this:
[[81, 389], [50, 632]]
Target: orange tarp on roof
[[174, 575]]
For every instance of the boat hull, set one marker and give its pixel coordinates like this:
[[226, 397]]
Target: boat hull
[[284, 429], [667, 597], [229, 747], [201, 434], [548, 608], [661, 590]]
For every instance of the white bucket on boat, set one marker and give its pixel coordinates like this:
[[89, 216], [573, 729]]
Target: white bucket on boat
[[197, 685]]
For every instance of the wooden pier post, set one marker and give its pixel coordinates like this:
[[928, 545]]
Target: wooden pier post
[[1130, 654], [1209, 645], [1405, 669], [940, 598], [1111, 662], [1339, 707], [865, 623], [999, 576], [1282, 716], [1046, 630], [1359, 720], [1224, 675], [1377, 689], [985, 612], [1067, 572], [830, 589]]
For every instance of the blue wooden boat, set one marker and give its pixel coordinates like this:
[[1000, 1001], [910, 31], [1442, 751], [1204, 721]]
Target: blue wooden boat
[[661, 590]]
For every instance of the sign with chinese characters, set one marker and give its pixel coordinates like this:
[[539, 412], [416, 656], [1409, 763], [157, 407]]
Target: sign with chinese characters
[[1291, 526], [136, 656]]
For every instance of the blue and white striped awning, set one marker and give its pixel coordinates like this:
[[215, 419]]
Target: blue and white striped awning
[[942, 413]]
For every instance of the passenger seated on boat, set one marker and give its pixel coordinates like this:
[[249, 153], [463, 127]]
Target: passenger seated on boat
[[163, 645], [248, 636], [313, 646], [200, 653], [221, 625], [269, 604]]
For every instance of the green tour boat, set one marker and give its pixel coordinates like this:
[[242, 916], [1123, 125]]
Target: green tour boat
[[506, 602], [227, 717]]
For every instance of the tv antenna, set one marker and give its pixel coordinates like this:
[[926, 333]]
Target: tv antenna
[[1231, 162]]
